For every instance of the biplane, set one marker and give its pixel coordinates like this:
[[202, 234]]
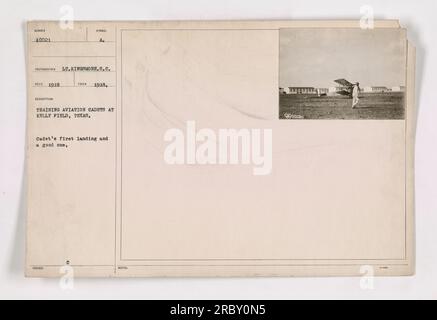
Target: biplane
[[345, 88]]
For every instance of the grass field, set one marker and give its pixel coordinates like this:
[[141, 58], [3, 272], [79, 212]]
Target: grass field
[[388, 105]]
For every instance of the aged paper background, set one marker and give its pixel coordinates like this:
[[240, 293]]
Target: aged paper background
[[339, 196]]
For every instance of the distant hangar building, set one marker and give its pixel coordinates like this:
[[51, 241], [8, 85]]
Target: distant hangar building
[[307, 90], [398, 89], [376, 89], [381, 89], [302, 90]]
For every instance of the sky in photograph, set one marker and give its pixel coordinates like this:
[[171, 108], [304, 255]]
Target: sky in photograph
[[316, 57]]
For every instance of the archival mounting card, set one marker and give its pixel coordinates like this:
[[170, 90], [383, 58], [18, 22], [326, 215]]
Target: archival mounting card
[[243, 148]]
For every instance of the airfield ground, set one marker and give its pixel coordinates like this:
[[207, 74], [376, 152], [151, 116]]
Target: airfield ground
[[388, 105]]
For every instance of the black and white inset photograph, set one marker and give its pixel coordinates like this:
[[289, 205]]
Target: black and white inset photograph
[[342, 73]]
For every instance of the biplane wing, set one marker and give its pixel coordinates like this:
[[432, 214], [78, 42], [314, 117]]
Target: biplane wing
[[343, 82]]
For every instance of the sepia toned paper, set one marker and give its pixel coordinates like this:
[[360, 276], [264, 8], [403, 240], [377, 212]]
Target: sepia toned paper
[[335, 199]]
